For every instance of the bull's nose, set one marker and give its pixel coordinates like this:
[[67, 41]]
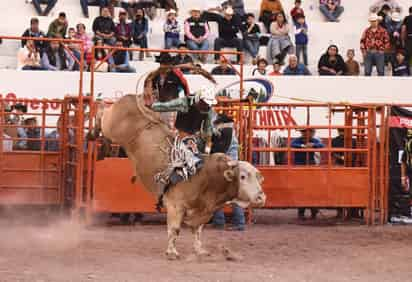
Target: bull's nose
[[261, 199]]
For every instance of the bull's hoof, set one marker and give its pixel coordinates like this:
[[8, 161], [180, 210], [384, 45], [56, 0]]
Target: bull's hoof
[[133, 179], [172, 255]]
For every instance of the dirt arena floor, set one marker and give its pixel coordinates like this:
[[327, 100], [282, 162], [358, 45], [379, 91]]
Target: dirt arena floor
[[277, 248]]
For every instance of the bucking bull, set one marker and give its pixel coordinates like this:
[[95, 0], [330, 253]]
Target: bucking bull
[[147, 140]]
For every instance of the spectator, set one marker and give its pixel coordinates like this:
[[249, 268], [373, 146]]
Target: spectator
[[56, 58], [261, 68], [34, 31], [140, 28], [406, 35], [74, 48], [181, 59], [87, 40], [392, 4], [331, 63], [301, 38], [104, 27], [224, 141], [295, 68], [279, 44], [28, 57], [7, 143], [171, 29], [276, 70], [331, 9], [228, 29], [268, 10], [374, 42], [99, 55], [385, 16], [32, 132], [251, 36], [49, 7], [53, 138], [124, 30], [58, 27], [223, 68], [197, 33], [307, 140], [394, 28], [352, 66], [400, 66], [120, 60], [297, 11], [16, 119]]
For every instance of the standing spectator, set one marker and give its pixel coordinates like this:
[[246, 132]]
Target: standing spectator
[[49, 7], [295, 68], [197, 33], [251, 36], [228, 29], [276, 70], [171, 29], [392, 4], [28, 57], [181, 59], [268, 10], [394, 27], [120, 60], [224, 141], [279, 44], [34, 31], [140, 28], [261, 68], [352, 66], [301, 38], [384, 16], [307, 140], [104, 27], [99, 55], [124, 30], [400, 66], [374, 42], [406, 35], [331, 9], [56, 58], [223, 68], [297, 11], [58, 27], [331, 63], [87, 40]]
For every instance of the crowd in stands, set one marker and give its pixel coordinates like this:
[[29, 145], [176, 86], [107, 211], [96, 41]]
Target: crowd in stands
[[386, 42]]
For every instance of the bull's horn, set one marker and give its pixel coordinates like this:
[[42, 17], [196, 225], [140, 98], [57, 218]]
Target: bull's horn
[[232, 163], [229, 175]]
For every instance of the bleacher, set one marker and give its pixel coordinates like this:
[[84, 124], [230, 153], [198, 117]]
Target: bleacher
[[346, 34]]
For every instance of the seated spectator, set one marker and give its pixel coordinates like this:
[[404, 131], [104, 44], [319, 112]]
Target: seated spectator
[[57, 58], [87, 40], [140, 28], [297, 11], [99, 55], [276, 70], [33, 132], [223, 68], [124, 30], [392, 4], [352, 66], [268, 10], [331, 63], [50, 4], [406, 35], [331, 9], [374, 42], [181, 59], [58, 27], [261, 68], [74, 48], [279, 44], [171, 29], [197, 33], [34, 31], [104, 28], [228, 28], [400, 66], [301, 38], [295, 68], [28, 57], [120, 60], [251, 37]]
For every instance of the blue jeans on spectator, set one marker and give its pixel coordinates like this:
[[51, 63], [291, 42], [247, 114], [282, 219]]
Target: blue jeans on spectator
[[374, 58], [238, 219], [191, 45], [171, 42], [302, 50], [331, 16], [140, 41], [252, 47], [109, 41], [50, 5]]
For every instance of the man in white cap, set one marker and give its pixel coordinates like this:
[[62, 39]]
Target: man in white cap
[[228, 27], [172, 30], [197, 32], [374, 42]]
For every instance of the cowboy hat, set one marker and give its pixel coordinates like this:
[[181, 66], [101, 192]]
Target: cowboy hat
[[171, 11], [396, 17]]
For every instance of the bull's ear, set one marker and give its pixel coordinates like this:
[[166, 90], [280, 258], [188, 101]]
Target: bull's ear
[[229, 175], [232, 163]]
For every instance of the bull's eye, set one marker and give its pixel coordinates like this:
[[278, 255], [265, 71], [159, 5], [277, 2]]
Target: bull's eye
[[242, 177]]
